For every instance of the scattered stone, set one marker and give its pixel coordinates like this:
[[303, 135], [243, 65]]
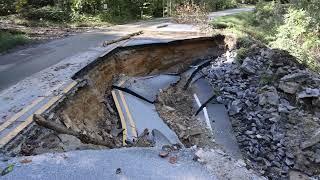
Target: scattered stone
[[289, 87], [299, 76], [296, 175], [312, 141], [115, 132], [163, 154], [118, 170], [169, 108], [289, 162], [235, 107], [308, 92], [248, 66], [269, 95], [268, 117], [173, 159]]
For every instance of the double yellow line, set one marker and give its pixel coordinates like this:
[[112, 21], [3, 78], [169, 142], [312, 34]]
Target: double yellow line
[[121, 114], [9, 136]]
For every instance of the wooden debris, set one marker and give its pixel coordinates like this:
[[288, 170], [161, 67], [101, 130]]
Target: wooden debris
[[25, 161], [41, 121], [162, 26], [106, 43]]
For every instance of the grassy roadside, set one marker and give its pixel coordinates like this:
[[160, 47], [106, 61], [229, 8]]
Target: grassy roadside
[[243, 25], [9, 40]]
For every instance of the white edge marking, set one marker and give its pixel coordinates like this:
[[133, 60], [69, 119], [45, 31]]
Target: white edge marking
[[205, 112]]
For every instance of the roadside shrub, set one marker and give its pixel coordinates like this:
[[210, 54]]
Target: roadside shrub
[[11, 39], [269, 14], [221, 4], [40, 3], [7, 7], [47, 13], [298, 36], [312, 8]]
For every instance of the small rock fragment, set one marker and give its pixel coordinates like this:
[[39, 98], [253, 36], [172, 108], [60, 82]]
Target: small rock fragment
[[308, 92], [118, 170], [312, 141], [170, 109], [163, 154], [289, 87], [248, 66], [25, 161], [173, 159]]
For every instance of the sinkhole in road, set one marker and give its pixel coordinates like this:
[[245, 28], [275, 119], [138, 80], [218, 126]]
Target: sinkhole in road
[[95, 109]]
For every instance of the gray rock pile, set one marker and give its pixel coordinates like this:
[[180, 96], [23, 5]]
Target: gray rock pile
[[274, 105]]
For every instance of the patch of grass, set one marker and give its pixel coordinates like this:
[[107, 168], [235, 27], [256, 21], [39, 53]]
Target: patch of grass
[[244, 25], [236, 20], [9, 40]]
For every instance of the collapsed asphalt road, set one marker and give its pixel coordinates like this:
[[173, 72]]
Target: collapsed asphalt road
[[79, 109]]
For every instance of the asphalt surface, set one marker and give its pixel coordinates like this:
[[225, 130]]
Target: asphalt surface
[[134, 163], [21, 64], [18, 65]]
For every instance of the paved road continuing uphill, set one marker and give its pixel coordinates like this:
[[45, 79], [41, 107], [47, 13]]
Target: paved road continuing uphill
[[21, 64]]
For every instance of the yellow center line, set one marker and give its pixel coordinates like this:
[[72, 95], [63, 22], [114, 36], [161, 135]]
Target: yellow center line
[[70, 86], [131, 121], [19, 114], [28, 121], [8, 137], [123, 121]]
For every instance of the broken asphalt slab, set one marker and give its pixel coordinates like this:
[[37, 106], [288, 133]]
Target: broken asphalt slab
[[217, 118], [135, 113]]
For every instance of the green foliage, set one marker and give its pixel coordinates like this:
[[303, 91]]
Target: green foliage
[[312, 9], [245, 42], [269, 14], [298, 36], [11, 39], [7, 7], [220, 4], [39, 3], [47, 13]]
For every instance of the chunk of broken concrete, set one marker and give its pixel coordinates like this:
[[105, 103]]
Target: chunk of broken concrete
[[163, 154], [248, 66], [299, 76], [309, 92], [268, 95], [312, 141], [289, 87], [235, 107]]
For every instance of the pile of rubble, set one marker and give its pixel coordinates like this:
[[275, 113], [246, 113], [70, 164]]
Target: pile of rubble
[[273, 102]]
